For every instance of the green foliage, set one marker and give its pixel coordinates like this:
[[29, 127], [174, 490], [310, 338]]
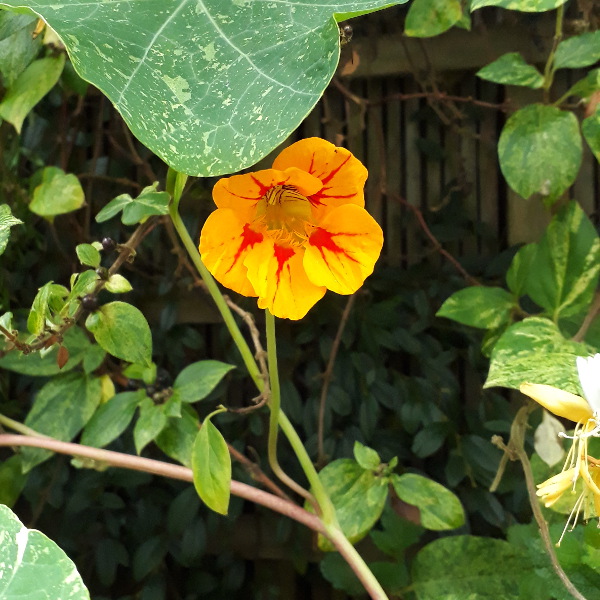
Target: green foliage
[[511, 69], [522, 5], [211, 465], [579, 51], [122, 330], [244, 52], [57, 194], [590, 128], [33, 566], [7, 220], [439, 508], [198, 380], [88, 255], [540, 151], [136, 210], [151, 422], [428, 18]]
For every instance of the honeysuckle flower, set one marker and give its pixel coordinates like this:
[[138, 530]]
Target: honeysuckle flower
[[585, 412], [289, 233]]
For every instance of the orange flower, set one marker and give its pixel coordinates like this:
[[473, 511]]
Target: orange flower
[[289, 233]]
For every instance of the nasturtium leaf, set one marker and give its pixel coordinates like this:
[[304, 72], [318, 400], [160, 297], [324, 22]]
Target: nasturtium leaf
[[428, 18], [534, 350], [520, 5], [540, 150], [358, 496], [566, 265], [590, 128], [150, 202], [29, 88], [57, 194], [511, 69], [150, 423], [88, 255], [519, 271], [366, 457], [117, 284], [111, 419], [33, 566], [210, 87], [199, 379], [440, 509], [211, 465], [479, 306], [579, 51], [61, 409], [122, 330], [177, 438], [464, 566], [6, 222]]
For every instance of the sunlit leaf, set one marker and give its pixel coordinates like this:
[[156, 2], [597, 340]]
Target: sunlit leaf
[[427, 18], [511, 69], [579, 51], [57, 194]]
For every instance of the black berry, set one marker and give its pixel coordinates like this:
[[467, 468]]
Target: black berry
[[108, 244]]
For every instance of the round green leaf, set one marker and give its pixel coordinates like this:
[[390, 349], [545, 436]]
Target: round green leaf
[[210, 87], [33, 566], [427, 18], [540, 150], [122, 330], [579, 51], [366, 457], [479, 306], [511, 69], [117, 284], [211, 465], [440, 509], [521, 5], [88, 255], [58, 194]]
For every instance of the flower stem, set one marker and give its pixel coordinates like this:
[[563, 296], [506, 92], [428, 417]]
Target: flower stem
[[16, 426]]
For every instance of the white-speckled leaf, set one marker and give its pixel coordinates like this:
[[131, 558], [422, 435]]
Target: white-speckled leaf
[[210, 86], [534, 350], [33, 567]]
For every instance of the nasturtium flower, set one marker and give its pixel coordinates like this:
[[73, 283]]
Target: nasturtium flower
[[585, 412], [289, 233]]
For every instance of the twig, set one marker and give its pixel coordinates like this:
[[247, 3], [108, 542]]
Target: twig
[[515, 450], [589, 319], [327, 376]]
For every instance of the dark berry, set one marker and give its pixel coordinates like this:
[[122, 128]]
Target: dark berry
[[108, 244], [89, 302]]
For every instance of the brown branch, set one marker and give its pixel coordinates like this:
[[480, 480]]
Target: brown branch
[[592, 313], [327, 377], [515, 450], [156, 467], [436, 244]]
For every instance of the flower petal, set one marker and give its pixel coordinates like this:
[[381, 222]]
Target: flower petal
[[561, 403], [225, 241], [277, 274], [589, 377], [343, 250], [343, 176]]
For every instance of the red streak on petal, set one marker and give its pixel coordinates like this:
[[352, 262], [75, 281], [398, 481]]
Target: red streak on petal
[[282, 255], [336, 170], [249, 238], [323, 240], [263, 189]]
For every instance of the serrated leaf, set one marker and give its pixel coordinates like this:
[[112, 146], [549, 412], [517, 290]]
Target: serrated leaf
[[33, 566], [117, 284], [177, 72], [57, 194], [122, 330], [366, 457], [111, 419], [590, 128], [61, 409], [566, 264], [427, 18], [88, 255], [511, 69], [150, 423], [534, 350], [29, 88], [579, 51], [211, 465], [520, 5], [440, 509], [199, 379], [6, 222], [358, 496], [479, 306], [540, 150], [458, 567]]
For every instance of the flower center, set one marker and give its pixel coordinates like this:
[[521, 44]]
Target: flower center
[[286, 214]]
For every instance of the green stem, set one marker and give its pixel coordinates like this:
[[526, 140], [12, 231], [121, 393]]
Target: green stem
[[175, 188], [549, 69], [16, 426]]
